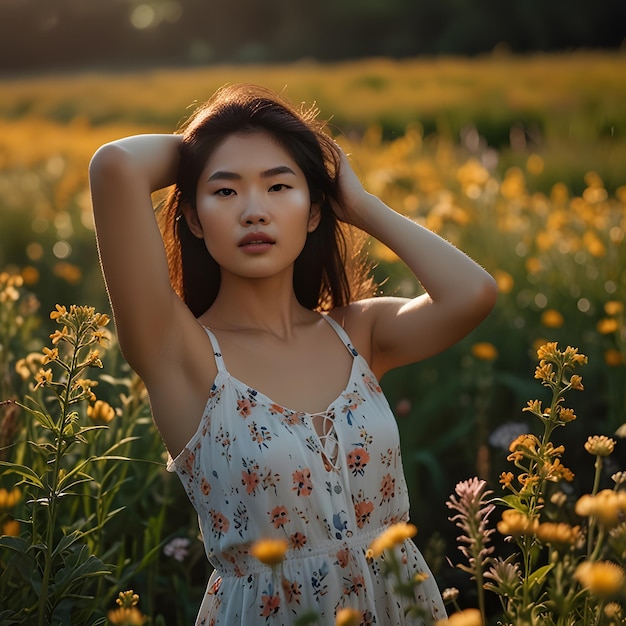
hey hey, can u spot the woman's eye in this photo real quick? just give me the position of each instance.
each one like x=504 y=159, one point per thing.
x=279 y=187
x=225 y=192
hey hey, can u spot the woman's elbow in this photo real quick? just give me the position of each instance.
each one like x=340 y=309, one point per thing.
x=485 y=296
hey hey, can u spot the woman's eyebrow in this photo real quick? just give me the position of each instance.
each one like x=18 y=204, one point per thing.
x=273 y=171
x=280 y=169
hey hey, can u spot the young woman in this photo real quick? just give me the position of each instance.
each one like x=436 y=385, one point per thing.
x=253 y=328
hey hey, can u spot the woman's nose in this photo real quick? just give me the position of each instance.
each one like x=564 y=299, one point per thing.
x=255 y=211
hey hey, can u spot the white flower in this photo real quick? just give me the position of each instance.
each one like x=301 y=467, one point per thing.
x=177 y=548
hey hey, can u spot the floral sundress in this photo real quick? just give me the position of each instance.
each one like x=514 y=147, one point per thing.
x=257 y=470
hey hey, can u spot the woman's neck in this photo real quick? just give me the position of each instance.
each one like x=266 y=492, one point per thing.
x=266 y=304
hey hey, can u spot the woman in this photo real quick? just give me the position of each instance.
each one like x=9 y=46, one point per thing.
x=261 y=354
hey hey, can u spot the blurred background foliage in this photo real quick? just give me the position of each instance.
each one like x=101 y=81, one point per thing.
x=42 y=34
x=517 y=159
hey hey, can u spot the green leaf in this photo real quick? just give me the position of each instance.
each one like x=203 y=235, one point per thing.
x=538 y=576
x=29 y=476
x=512 y=501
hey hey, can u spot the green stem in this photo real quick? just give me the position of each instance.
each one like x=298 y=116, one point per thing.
x=53 y=497
x=592 y=519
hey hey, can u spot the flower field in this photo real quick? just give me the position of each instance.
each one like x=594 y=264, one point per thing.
x=521 y=162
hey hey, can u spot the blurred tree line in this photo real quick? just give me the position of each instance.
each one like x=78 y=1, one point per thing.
x=67 y=34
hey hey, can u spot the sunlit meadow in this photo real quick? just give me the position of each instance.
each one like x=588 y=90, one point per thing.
x=518 y=161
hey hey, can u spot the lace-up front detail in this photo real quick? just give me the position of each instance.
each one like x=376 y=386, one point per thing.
x=324 y=425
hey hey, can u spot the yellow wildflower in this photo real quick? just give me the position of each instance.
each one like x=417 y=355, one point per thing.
x=557 y=471
x=126 y=616
x=50 y=355
x=545 y=372
x=348 y=617
x=11 y=528
x=600 y=445
x=59 y=311
x=547 y=351
x=485 y=351
x=101 y=412
x=269 y=551
x=576 y=382
x=566 y=415
x=393 y=536
x=534 y=406
x=571 y=357
x=101 y=337
x=127 y=599
x=27 y=366
x=30 y=275
x=585 y=505
x=43 y=377
x=506 y=478
x=59 y=335
x=613 y=357
x=467 y=617
x=101 y=319
x=21 y=367
x=551 y=318
x=613 y=307
x=613 y=610
x=8 y=499
x=522 y=446
x=602 y=578
x=533 y=265
x=607 y=506
x=504 y=281
x=516 y=523
x=607 y=325
x=558 y=533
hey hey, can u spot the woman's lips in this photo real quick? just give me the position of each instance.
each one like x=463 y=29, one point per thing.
x=256 y=242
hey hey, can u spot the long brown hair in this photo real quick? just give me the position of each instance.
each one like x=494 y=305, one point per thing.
x=330 y=271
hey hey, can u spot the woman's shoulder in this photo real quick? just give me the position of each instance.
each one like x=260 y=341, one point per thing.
x=357 y=322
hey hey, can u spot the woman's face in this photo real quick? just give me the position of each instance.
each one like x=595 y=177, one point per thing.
x=253 y=207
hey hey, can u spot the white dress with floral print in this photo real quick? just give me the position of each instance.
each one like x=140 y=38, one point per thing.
x=257 y=470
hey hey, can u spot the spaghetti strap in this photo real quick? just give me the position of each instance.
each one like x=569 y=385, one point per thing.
x=343 y=335
x=217 y=352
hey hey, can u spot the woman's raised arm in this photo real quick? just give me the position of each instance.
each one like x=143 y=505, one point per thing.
x=123 y=174
x=459 y=293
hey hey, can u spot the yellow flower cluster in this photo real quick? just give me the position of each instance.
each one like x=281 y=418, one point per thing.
x=602 y=578
x=127 y=613
x=131 y=616
x=11 y=528
x=516 y=524
x=8 y=499
x=607 y=506
x=600 y=445
x=394 y=535
x=485 y=351
x=558 y=534
x=101 y=412
x=9 y=286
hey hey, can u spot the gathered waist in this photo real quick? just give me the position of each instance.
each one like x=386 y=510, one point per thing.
x=238 y=562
